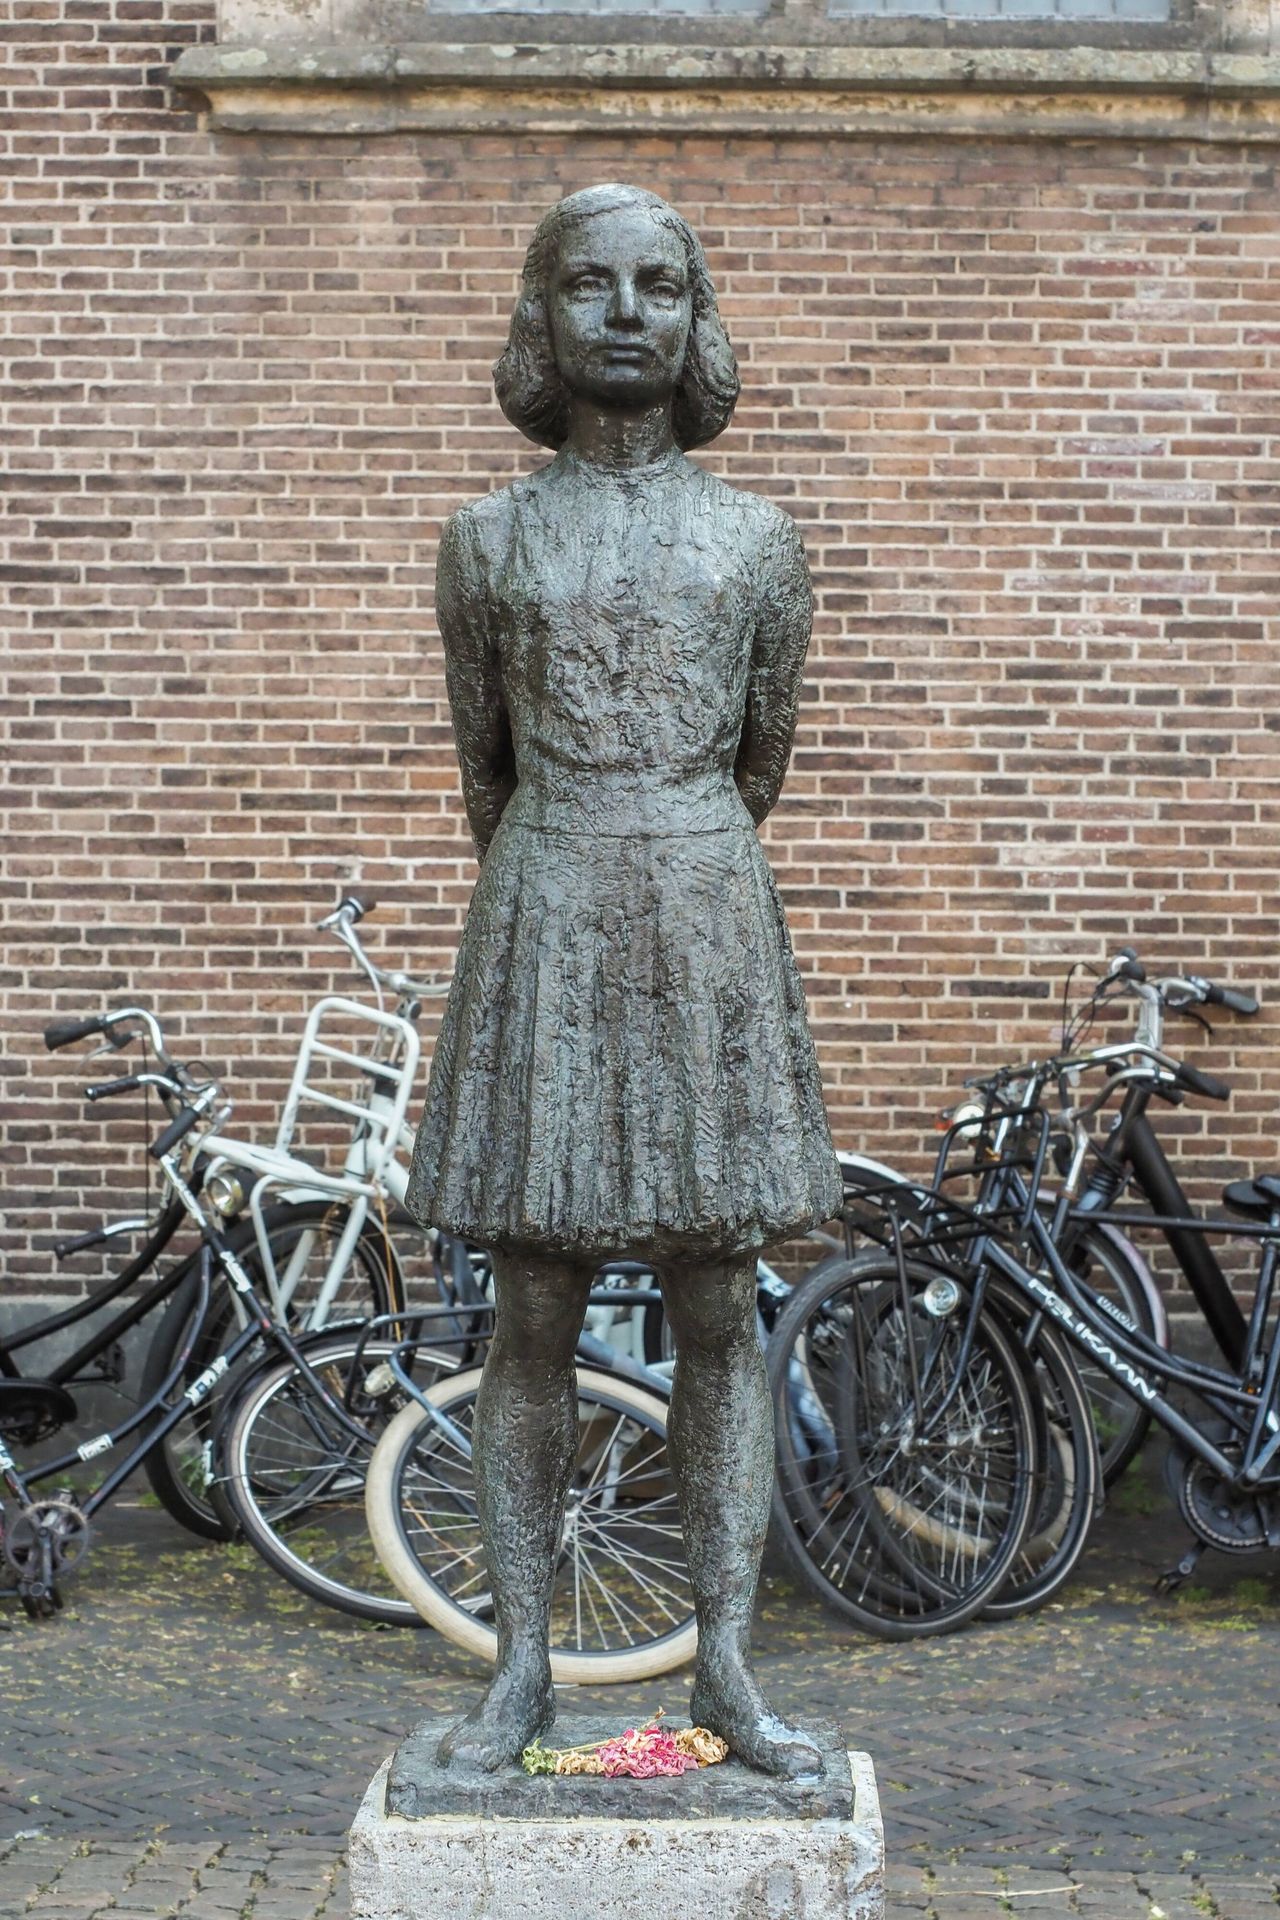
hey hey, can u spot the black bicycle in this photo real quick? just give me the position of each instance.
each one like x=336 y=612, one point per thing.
x=44 y=1538
x=999 y=1264
x=925 y=1461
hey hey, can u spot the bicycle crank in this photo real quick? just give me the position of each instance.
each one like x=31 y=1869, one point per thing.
x=44 y=1542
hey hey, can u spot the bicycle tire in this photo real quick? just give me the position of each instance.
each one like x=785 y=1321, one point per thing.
x=178 y=1469
x=1068 y=1470
x=294 y=1479
x=849 y=1496
x=413 y=1459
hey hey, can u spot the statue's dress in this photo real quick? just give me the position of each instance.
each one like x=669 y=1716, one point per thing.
x=624 y=1062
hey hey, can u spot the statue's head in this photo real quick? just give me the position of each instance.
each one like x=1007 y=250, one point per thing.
x=616 y=305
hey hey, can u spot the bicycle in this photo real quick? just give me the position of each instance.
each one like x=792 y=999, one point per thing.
x=912 y=1460
x=622 y=1606
x=413 y=1263
x=48 y=1539
x=1228 y=1461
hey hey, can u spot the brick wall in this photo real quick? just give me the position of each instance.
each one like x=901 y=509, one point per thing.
x=1021 y=397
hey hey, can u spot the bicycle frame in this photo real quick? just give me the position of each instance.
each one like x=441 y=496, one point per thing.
x=199 y=1390
x=1120 y=1349
x=171 y=1218
x=1134 y=1141
x=260 y=1324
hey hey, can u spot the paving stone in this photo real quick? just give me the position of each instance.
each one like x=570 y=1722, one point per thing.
x=204 y=1734
x=1176 y=1898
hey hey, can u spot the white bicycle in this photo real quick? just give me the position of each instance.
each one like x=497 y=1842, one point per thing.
x=622 y=1602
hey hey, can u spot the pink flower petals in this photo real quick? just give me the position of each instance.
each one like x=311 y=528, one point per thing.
x=644 y=1755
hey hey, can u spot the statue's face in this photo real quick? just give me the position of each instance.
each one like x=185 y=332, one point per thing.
x=619 y=305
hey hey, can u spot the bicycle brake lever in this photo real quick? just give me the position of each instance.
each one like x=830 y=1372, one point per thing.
x=111 y=1043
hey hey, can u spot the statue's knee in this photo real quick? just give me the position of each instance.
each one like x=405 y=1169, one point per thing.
x=712 y=1310
x=540 y=1309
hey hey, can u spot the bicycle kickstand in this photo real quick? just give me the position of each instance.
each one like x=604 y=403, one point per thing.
x=1172 y=1577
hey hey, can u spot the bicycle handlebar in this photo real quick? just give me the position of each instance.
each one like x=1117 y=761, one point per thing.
x=64 y=1033
x=106 y=1089
x=1231 y=997
x=1168 y=1078
x=1127 y=966
x=175 y=1131
x=114 y=1023
x=1206 y=1083
x=342 y=921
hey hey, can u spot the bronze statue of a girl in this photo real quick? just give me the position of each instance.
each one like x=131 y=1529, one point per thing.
x=624 y=1064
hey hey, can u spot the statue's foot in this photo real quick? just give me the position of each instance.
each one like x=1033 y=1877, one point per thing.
x=728 y=1699
x=519 y=1707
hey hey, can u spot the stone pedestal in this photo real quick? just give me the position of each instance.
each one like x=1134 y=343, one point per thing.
x=721 y=1844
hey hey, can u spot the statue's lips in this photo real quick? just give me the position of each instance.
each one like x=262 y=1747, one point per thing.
x=621 y=351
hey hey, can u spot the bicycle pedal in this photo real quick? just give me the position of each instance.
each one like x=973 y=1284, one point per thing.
x=1172 y=1577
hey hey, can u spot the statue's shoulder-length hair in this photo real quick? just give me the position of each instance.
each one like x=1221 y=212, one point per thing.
x=529 y=388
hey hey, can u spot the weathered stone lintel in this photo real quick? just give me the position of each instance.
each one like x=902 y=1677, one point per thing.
x=346 y=88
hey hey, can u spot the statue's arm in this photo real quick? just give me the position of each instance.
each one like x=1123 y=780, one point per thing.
x=777 y=666
x=473 y=675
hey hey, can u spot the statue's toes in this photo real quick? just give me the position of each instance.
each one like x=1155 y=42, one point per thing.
x=790 y=1755
x=475 y=1756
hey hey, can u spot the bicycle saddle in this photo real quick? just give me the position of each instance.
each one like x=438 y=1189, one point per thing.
x=1257 y=1199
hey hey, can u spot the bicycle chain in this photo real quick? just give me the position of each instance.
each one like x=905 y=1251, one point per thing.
x=1223 y=1516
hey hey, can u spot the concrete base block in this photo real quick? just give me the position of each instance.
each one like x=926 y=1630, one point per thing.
x=518 y=1851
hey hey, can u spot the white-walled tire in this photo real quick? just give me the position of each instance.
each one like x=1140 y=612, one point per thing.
x=622 y=1608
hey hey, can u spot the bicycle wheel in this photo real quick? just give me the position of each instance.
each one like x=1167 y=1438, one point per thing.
x=302 y=1236
x=622 y=1607
x=1068 y=1480
x=294 y=1476
x=1094 y=1253
x=905 y=1529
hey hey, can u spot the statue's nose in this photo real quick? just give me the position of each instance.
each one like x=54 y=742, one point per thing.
x=623 y=307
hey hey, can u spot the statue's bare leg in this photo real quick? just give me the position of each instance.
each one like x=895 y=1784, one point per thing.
x=525 y=1444
x=721 y=1442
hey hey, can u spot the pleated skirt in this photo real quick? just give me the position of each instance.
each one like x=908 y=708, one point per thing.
x=624 y=1064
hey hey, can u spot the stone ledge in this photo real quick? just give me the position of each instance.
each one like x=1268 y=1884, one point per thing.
x=418 y=1787
x=483 y=87
x=740 y=1847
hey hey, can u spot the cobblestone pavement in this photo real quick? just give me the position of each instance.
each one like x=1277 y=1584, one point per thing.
x=191 y=1737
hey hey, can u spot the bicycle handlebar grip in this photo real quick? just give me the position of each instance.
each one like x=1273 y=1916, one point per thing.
x=1130 y=967
x=175 y=1131
x=360 y=904
x=1229 y=997
x=103 y=1089
x=1196 y=1082
x=62 y=1032
x=1167 y=1090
